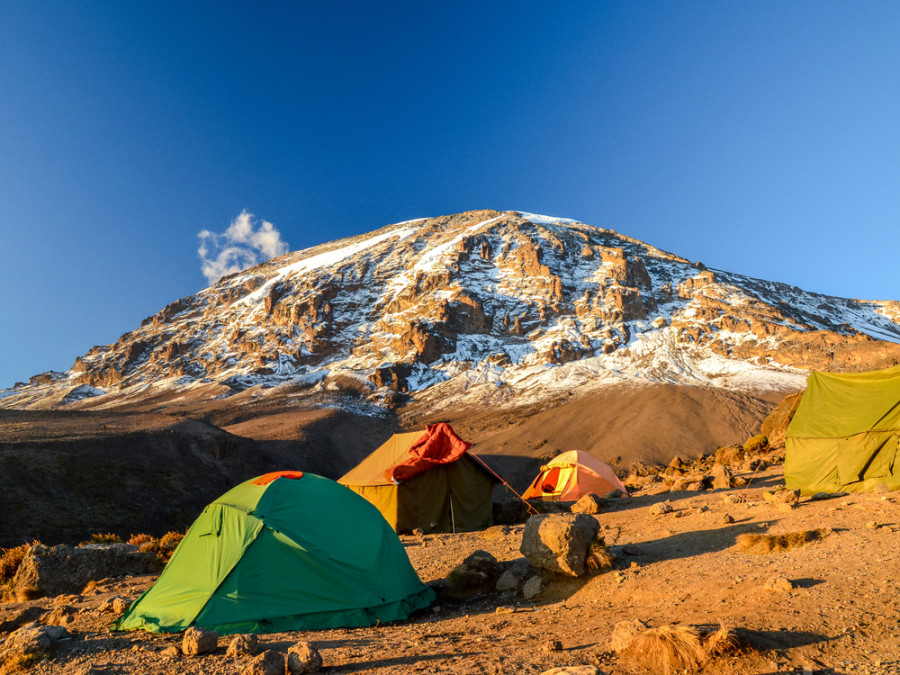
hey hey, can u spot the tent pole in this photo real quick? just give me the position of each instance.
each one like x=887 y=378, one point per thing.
x=452 y=519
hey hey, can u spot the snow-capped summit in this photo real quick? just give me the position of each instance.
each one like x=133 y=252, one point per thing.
x=478 y=307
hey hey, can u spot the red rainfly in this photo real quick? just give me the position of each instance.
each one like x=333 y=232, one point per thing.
x=438 y=445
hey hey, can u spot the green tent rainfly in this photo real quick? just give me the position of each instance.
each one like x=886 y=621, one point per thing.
x=844 y=435
x=285 y=551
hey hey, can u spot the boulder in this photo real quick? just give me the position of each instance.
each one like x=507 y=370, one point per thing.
x=589 y=503
x=29 y=644
x=559 y=542
x=197 y=641
x=56 y=570
x=477 y=573
x=303 y=658
x=19 y=618
x=721 y=476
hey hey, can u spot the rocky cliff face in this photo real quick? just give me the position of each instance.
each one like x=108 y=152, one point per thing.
x=478 y=307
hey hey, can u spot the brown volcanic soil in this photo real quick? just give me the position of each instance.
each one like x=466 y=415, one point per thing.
x=841 y=617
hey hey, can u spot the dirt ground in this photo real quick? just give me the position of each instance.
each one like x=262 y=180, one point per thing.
x=841 y=616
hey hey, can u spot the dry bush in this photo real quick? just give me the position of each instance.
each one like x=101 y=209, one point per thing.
x=11 y=558
x=140 y=539
x=598 y=559
x=667 y=648
x=163 y=547
x=756 y=444
x=774 y=543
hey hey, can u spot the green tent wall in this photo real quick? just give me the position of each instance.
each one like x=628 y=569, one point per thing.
x=286 y=551
x=844 y=435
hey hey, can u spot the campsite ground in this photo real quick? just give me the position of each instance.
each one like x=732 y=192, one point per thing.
x=841 y=616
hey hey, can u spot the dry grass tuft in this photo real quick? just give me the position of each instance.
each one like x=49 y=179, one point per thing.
x=598 y=559
x=667 y=647
x=775 y=543
x=720 y=642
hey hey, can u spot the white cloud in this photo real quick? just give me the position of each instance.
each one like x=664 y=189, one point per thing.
x=242 y=245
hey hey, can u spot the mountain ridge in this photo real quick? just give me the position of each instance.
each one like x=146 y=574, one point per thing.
x=492 y=306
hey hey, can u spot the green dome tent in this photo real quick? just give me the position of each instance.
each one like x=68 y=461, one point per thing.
x=285 y=551
x=844 y=435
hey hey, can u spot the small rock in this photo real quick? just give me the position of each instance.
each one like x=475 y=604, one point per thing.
x=574 y=670
x=198 y=641
x=418 y=532
x=614 y=494
x=779 y=585
x=510 y=580
x=533 y=588
x=784 y=507
x=267 y=663
x=882 y=488
x=624 y=632
x=303 y=658
x=702 y=509
x=676 y=462
x=871 y=525
x=243 y=645
x=727 y=519
x=733 y=499
x=59 y=616
x=661 y=508
x=552 y=646
x=171 y=652
x=115 y=604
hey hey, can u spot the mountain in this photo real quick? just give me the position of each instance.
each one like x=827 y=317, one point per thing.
x=531 y=335
x=479 y=308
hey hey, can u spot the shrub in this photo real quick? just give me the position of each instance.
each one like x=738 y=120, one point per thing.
x=163 y=547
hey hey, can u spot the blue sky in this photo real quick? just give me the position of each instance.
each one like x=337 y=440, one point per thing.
x=757 y=137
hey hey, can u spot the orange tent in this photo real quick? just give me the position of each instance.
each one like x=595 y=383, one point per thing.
x=571 y=475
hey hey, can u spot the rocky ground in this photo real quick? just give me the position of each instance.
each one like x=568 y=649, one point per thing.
x=829 y=606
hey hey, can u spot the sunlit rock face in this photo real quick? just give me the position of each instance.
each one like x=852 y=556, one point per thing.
x=481 y=307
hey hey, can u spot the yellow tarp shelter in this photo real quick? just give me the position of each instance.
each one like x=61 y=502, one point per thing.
x=441 y=496
x=844 y=435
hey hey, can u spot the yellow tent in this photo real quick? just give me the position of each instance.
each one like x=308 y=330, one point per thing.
x=571 y=475
x=425 y=480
